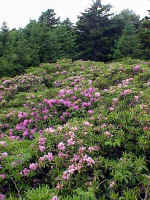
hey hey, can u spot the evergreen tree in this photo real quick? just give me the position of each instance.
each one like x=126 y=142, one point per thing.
x=49 y=18
x=127 y=16
x=94 y=37
x=128 y=44
x=144 y=37
x=4 y=37
x=68 y=24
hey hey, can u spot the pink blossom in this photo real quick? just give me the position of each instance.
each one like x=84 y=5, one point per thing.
x=61 y=92
x=61 y=146
x=125 y=92
x=42 y=148
x=148 y=83
x=26 y=172
x=136 y=98
x=93 y=148
x=33 y=166
x=59 y=186
x=32 y=131
x=65 y=175
x=25 y=122
x=4 y=154
x=107 y=133
x=20 y=115
x=54 y=198
x=75 y=88
x=82 y=149
x=111 y=108
x=76 y=107
x=75 y=158
x=87 y=159
x=42 y=141
x=112 y=184
x=86 y=123
x=119 y=85
x=136 y=68
x=70 y=142
x=62 y=155
x=41 y=159
x=74 y=128
x=25 y=133
x=25 y=114
x=105 y=90
x=50 y=130
x=3 y=143
x=97 y=94
x=90 y=111
x=90 y=82
x=72 y=169
x=45 y=117
x=90 y=161
x=2 y=196
x=50 y=156
x=2 y=176
x=145 y=128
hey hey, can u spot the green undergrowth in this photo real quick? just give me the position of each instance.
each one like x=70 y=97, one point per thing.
x=76 y=131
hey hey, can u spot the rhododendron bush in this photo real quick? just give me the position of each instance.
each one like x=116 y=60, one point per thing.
x=76 y=131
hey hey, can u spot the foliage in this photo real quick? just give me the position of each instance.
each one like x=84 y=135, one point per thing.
x=128 y=44
x=144 y=37
x=94 y=34
x=98 y=35
x=76 y=131
x=48 y=18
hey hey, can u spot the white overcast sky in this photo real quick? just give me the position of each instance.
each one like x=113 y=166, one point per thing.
x=17 y=13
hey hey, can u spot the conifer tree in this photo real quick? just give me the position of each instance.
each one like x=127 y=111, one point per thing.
x=93 y=33
x=49 y=18
x=144 y=37
x=128 y=44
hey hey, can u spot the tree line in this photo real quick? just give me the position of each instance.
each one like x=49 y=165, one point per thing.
x=98 y=35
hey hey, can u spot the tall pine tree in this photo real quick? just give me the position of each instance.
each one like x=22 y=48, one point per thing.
x=94 y=38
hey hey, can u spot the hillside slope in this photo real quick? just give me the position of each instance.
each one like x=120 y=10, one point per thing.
x=76 y=131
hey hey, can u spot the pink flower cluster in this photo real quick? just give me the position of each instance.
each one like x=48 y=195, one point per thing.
x=136 y=68
x=32 y=167
x=22 y=115
x=79 y=161
x=48 y=157
x=124 y=83
x=126 y=92
x=41 y=144
x=2 y=196
x=2 y=176
x=61 y=146
x=3 y=155
x=54 y=198
x=3 y=143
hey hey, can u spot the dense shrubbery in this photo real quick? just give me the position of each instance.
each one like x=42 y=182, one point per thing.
x=76 y=131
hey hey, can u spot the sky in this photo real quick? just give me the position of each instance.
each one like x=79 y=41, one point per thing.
x=18 y=13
